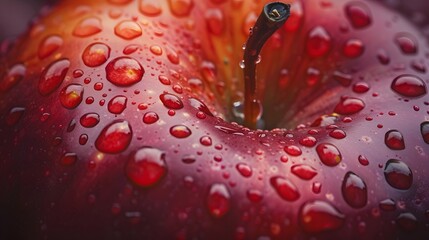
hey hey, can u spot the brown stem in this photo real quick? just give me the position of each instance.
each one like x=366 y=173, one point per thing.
x=273 y=16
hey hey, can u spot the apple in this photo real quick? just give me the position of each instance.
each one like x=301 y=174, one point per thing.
x=126 y=119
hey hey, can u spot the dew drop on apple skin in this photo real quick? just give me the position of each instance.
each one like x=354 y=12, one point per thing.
x=244 y=169
x=320 y=216
x=128 y=30
x=15 y=114
x=285 y=188
x=180 y=131
x=83 y=139
x=181 y=8
x=115 y=137
x=409 y=86
x=218 y=200
x=171 y=101
x=150 y=8
x=398 y=174
x=146 y=167
x=363 y=160
x=353 y=48
x=15 y=74
x=292 y=150
x=49 y=45
x=407 y=221
x=87 y=27
x=349 y=106
x=150 y=117
x=117 y=104
x=358 y=14
x=124 y=71
x=95 y=54
x=361 y=87
x=206 y=141
x=394 y=140
x=68 y=159
x=387 y=205
x=319 y=42
x=53 y=76
x=354 y=190
x=254 y=195
x=406 y=43
x=304 y=171
x=89 y=120
x=383 y=57
x=215 y=21
x=424 y=130
x=308 y=141
x=71 y=96
x=328 y=154
x=337 y=134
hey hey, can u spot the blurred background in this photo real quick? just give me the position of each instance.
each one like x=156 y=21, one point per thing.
x=16 y=14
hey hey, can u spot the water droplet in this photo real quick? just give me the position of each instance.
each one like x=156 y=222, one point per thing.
x=171 y=101
x=14 y=115
x=218 y=200
x=117 y=104
x=409 y=86
x=337 y=134
x=124 y=71
x=89 y=120
x=383 y=57
x=150 y=7
x=313 y=76
x=53 y=76
x=319 y=216
x=146 y=167
x=318 y=42
x=349 y=106
x=181 y=8
x=394 y=140
x=83 y=139
x=128 y=30
x=215 y=21
x=96 y=54
x=206 y=141
x=180 y=131
x=407 y=43
x=292 y=150
x=71 y=96
x=360 y=87
x=398 y=174
x=172 y=56
x=353 y=48
x=304 y=171
x=308 y=141
x=424 y=130
x=329 y=154
x=15 y=74
x=156 y=50
x=363 y=160
x=407 y=221
x=358 y=14
x=115 y=137
x=285 y=188
x=77 y=73
x=200 y=106
x=88 y=27
x=387 y=205
x=354 y=190
x=254 y=195
x=49 y=45
x=296 y=15
x=244 y=169
x=150 y=117
x=316 y=187
x=68 y=159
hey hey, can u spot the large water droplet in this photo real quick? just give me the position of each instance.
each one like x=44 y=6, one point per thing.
x=244 y=169
x=13 y=76
x=318 y=42
x=181 y=8
x=180 y=131
x=88 y=27
x=206 y=141
x=354 y=190
x=292 y=150
x=304 y=171
x=128 y=30
x=285 y=188
x=71 y=96
x=150 y=7
x=124 y=71
x=89 y=120
x=407 y=43
x=150 y=117
x=394 y=140
x=424 y=129
x=49 y=45
x=96 y=54
x=117 y=104
x=349 y=106
x=358 y=14
x=309 y=141
x=409 y=86
x=319 y=216
x=146 y=167
x=171 y=101
x=115 y=137
x=398 y=174
x=337 y=134
x=329 y=154
x=53 y=76
x=218 y=200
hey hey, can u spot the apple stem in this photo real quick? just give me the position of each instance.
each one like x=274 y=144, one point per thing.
x=273 y=16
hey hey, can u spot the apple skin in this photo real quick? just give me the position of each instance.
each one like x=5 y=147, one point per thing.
x=194 y=189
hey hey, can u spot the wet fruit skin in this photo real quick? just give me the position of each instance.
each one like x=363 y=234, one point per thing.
x=62 y=179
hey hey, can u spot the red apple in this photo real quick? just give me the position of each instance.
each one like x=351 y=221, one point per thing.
x=117 y=122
